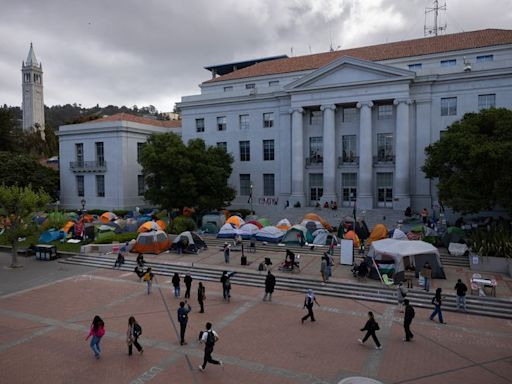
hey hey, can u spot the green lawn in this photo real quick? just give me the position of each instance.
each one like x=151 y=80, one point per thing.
x=33 y=239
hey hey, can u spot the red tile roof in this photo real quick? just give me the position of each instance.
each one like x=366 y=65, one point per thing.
x=400 y=49
x=140 y=120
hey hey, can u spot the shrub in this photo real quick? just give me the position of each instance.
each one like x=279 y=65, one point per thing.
x=182 y=224
x=496 y=242
x=109 y=237
x=120 y=212
x=98 y=212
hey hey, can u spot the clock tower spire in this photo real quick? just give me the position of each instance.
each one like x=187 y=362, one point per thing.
x=32 y=88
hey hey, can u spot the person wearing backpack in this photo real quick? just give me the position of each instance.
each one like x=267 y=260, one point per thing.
x=371 y=327
x=97 y=331
x=408 y=316
x=437 y=301
x=309 y=301
x=183 y=320
x=148 y=278
x=132 y=335
x=176 y=284
x=461 y=289
x=209 y=338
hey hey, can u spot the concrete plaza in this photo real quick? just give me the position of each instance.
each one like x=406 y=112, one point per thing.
x=44 y=326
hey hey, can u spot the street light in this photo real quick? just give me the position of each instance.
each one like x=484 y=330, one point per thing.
x=250 y=196
x=83 y=204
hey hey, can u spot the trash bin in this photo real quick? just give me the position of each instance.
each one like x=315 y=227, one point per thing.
x=46 y=252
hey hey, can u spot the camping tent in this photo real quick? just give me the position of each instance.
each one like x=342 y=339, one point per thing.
x=149 y=226
x=297 y=234
x=314 y=217
x=351 y=235
x=284 y=224
x=151 y=242
x=227 y=231
x=453 y=235
x=270 y=234
x=191 y=242
x=216 y=218
x=209 y=227
x=323 y=237
x=264 y=222
x=247 y=231
x=51 y=235
x=311 y=225
x=379 y=232
x=256 y=223
x=399 y=235
x=417 y=251
x=107 y=217
x=237 y=221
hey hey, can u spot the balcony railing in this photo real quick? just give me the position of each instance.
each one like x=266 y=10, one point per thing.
x=88 y=166
x=384 y=159
x=315 y=161
x=348 y=161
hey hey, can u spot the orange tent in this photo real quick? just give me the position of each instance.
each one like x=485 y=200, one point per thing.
x=379 y=232
x=149 y=226
x=107 y=217
x=68 y=226
x=162 y=224
x=315 y=217
x=152 y=242
x=351 y=235
x=237 y=221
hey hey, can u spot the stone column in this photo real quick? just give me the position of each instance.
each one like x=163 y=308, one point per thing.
x=297 y=157
x=364 y=185
x=329 y=169
x=401 y=191
x=422 y=193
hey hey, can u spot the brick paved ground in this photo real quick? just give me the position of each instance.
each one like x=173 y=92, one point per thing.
x=42 y=333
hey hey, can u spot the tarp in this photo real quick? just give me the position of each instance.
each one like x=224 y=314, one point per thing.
x=284 y=224
x=227 y=231
x=418 y=252
x=152 y=242
x=191 y=242
x=247 y=231
x=270 y=234
x=297 y=234
x=379 y=232
x=315 y=217
x=51 y=235
x=237 y=221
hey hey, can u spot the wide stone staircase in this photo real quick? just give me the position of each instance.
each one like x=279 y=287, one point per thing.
x=486 y=306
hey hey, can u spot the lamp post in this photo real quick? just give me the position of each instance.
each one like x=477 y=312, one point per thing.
x=83 y=204
x=250 y=196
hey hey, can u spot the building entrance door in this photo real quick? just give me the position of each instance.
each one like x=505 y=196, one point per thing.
x=385 y=190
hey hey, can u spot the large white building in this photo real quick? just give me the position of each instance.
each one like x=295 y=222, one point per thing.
x=32 y=93
x=347 y=125
x=99 y=161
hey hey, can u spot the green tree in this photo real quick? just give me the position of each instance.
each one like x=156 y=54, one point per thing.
x=18 y=204
x=7 y=130
x=23 y=170
x=473 y=161
x=180 y=176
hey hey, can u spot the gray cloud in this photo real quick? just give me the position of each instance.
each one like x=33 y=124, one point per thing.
x=153 y=51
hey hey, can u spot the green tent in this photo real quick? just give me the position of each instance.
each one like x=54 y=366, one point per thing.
x=264 y=221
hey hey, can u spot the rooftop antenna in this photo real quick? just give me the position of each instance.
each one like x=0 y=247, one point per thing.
x=291 y=51
x=436 y=29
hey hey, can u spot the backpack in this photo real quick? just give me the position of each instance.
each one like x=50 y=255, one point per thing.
x=210 y=339
x=137 y=330
x=148 y=276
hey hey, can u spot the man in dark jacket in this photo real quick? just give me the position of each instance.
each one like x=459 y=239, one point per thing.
x=461 y=289
x=188 y=284
x=183 y=319
x=270 y=283
x=408 y=316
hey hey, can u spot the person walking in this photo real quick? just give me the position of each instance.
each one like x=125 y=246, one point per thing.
x=408 y=316
x=270 y=283
x=226 y=252
x=209 y=338
x=437 y=301
x=132 y=335
x=371 y=327
x=140 y=260
x=148 y=278
x=426 y=272
x=461 y=289
x=201 y=296
x=323 y=267
x=309 y=301
x=188 y=284
x=176 y=284
x=226 y=285
x=97 y=331
x=119 y=261
x=424 y=215
x=183 y=320
x=401 y=292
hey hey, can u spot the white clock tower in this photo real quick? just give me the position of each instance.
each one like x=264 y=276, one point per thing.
x=32 y=103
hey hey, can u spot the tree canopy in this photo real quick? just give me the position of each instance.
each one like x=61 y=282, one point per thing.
x=18 y=204
x=179 y=175
x=473 y=162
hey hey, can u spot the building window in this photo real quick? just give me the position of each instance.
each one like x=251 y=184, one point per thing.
x=273 y=83
x=484 y=58
x=80 y=186
x=141 y=186
x=200 y=125
x=27 y=77
x=385 y=112
x=79 y=153
x=229 y=88
x=268 y=120
x=100 y=185
x=349 y=114
x=315 y=118
x=449 y=106
x=244 y=121
x=245 y=184
x=448 y=63
x=222 y=145
x=316 y=186
x=221 y=123
x=487 y=101
x=245 y=151
x=100 y=153
x=250 y=86
x=268 y=149
x=140 y=147
x=268 y=184
x=349 y=188
x=415 y=67
x=349 y=147
x=316 y=150
x=385 y=147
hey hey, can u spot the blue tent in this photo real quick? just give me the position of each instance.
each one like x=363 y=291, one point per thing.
x=51 y=235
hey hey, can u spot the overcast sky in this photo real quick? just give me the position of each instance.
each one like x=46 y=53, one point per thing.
x=127 y=52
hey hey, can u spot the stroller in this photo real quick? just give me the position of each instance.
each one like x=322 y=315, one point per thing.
x=291 y=262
